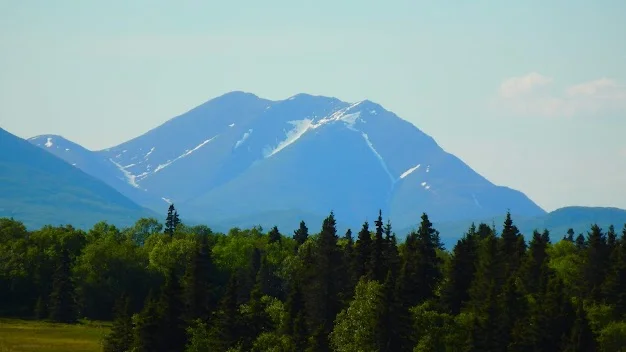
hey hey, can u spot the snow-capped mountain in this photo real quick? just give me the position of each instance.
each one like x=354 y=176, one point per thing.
x=239 y=155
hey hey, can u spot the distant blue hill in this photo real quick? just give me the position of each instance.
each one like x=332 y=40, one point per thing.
x=38 y=188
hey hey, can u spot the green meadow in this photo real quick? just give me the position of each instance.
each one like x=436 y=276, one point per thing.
x=26 y=336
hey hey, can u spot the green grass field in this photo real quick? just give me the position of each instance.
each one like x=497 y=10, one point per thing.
x=27 y=336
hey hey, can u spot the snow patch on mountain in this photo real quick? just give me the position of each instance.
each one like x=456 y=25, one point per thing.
x=340 y=115
x=130 y=178
x=187 y=152
x=148 y=153
x=243 y=138
x=476 y=201
x=167 y=200
x=410 y=171
x=350 y=119
x=380 y=158
x=49 y=142
x=232 y=125
x=300 y=127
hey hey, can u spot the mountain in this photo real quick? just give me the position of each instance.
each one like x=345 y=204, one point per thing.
x=39 y=188
x=101 y=168
x=242 y=157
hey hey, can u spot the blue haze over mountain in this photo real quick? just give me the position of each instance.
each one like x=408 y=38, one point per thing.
x=40 y=189
x=239 y=157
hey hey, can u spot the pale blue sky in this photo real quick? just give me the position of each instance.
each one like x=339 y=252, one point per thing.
x=102 y=72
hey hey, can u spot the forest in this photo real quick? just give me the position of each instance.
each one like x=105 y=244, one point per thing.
x=173 y=287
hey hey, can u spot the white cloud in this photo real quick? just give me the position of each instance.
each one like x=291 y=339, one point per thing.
x=521 y=95
x=516 y=86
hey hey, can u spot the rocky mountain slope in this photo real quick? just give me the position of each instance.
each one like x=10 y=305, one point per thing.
x=239 y=156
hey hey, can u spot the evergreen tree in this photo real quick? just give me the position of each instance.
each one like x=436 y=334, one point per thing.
x=196 y=285
x=301 y=234
x=429 y=264
x=256 y=320
x=581 y=242
x=147 y=328
x=349 y=268
x=62 y=301
x=487 y=274
x=325 y=285
x=227 y=328
x=534 y=264
x=363 y=249
x=614 y=286
x=377 y=267
x=570 y=235
x=455 y=291
x=419 y=275
x=581 y=338
x=390 y=253
x=274 y=235
x=120 y=338
x=171 y=324
x=172 y=220
x=596 y=260
x=512 y=247
x=269 y=282
x=295 y=325
x=389 y=333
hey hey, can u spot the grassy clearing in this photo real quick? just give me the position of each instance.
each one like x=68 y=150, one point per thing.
x=26 y=336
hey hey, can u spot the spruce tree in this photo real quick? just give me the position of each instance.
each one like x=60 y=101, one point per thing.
x=62 y=301
x=274 y=235
x=267 y=279
x=377 y=266
x=455 y=291
x=295 y=325
x=487 y=273
x=171 y=311
x=512 y=247
x=349 y=268
x=533 y=266
x=570 y=235
x=196 y=285
x=614 y=285
x=581 y=337
x=390 y=253
x=301 y=234
x=429 y=264
x=171 y=221
x=324 y=283
x=147 y=330
x=363 y=251
x=581 y=242
x=227 y=323
x=121 y=336
x=596 y=260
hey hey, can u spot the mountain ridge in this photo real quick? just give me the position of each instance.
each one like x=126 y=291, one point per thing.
x=238 y=154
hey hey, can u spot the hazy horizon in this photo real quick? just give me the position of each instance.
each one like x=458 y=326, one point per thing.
x=531 y=96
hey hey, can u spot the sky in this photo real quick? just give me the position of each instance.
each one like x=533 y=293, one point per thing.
x=531 y=94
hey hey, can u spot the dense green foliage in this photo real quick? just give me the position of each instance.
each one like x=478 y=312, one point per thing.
x=182 y=288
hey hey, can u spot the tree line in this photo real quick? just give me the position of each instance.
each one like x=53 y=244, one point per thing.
x=172 y=287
